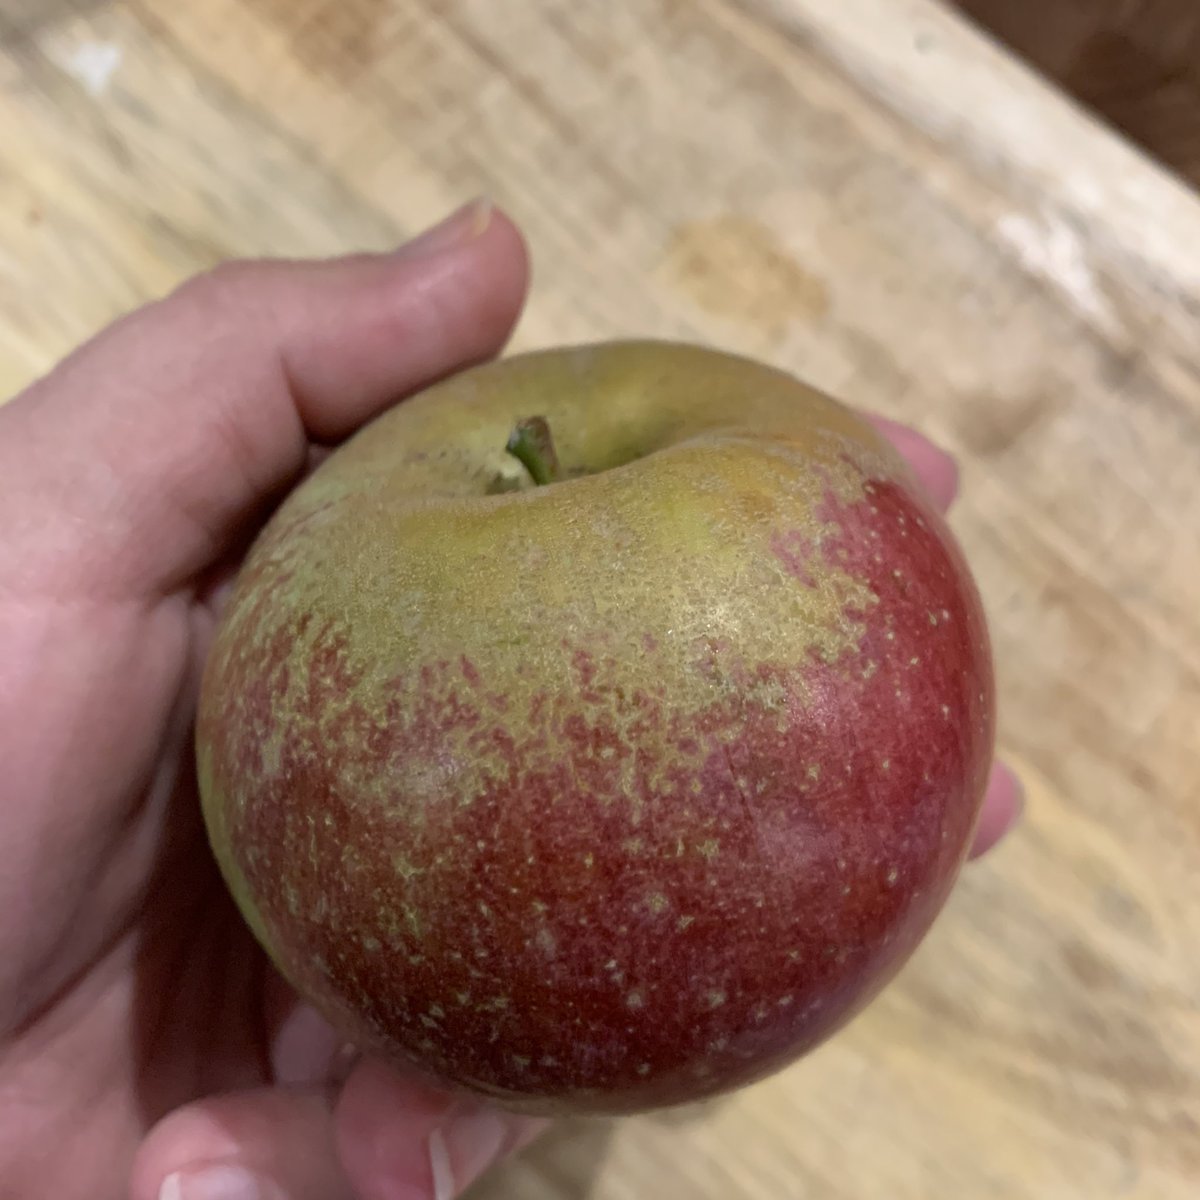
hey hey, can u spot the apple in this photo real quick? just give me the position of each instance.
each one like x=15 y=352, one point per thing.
x=600 y=729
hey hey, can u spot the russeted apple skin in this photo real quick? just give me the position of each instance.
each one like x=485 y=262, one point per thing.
x=613 y=793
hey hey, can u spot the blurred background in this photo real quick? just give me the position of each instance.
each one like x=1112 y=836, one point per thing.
x=1135 y=62
x=983 y=222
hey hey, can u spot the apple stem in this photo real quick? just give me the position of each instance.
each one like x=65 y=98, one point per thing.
x=531 y=443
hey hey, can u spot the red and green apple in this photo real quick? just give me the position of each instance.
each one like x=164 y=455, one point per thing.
x=600 y=729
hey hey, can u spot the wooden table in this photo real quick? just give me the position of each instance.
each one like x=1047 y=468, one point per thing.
x=1135 y=61
x=870 y=194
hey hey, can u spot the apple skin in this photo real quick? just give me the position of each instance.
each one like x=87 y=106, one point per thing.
x=614 y=793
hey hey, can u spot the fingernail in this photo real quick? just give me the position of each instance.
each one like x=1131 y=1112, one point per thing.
x=1017 y=785
x=347 y=1058
x=462 y=1148
x=937 y=467
x=221 y=1181
x=908 y=437
x=463 y=225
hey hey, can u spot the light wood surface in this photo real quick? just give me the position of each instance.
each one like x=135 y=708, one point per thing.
x=872 y=195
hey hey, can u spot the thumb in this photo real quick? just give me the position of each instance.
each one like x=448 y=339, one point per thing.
x=143 y=458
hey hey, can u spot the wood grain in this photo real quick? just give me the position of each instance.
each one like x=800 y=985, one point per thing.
x=1137 y=62
x=872 y=195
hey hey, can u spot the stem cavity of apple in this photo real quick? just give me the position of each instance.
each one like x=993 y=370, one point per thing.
x=530 y=442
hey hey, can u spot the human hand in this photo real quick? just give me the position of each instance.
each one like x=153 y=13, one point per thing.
x=147 y=1049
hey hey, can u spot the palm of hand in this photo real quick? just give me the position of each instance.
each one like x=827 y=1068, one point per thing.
x=134 y=987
